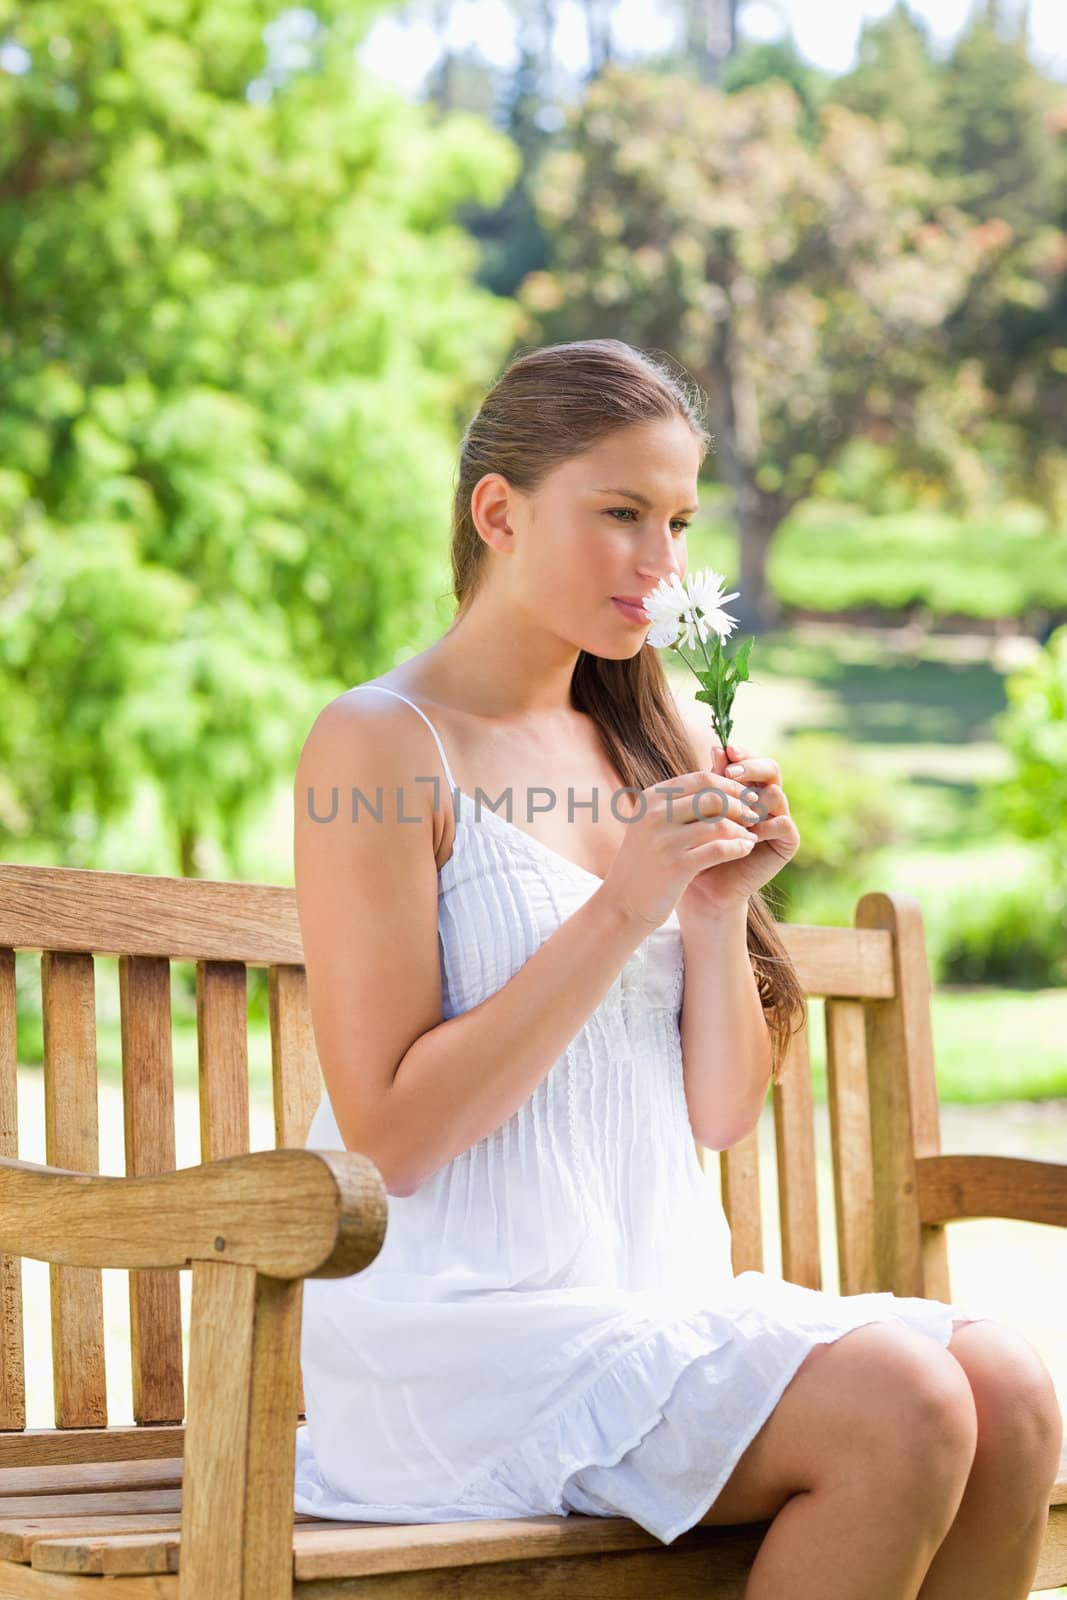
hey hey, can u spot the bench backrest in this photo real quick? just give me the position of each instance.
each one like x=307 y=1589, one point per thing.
x=880 y=1083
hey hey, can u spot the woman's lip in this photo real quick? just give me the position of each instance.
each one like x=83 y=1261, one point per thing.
x=632 y=612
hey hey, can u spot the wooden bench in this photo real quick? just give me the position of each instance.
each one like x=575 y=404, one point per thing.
x=84 y=1499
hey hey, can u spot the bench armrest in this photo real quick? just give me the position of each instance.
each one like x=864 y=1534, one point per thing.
x=955 y=1186
x=288 y=1213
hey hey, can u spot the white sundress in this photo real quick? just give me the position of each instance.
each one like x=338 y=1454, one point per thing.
x=553 y=1323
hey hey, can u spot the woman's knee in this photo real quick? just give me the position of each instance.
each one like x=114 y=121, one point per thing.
x=1020 y=1424
x=882 y=1407
x=904 y=1411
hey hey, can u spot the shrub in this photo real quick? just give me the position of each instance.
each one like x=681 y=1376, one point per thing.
x=842 y=815
x=1032 y=802
x=1015 y=936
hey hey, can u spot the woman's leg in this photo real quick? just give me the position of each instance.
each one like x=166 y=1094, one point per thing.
x=993 y=1547
x=862 y=1466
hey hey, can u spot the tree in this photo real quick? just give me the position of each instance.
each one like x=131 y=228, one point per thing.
x=239 y=336
x=806 y=287
x=992 y=129
x=710 y=36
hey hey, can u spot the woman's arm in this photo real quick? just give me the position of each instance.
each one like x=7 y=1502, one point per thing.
x=726 y=1044
x=468 y=1075
x=409 y=1090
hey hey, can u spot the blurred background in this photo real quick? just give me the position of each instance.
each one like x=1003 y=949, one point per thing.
x=258 y=265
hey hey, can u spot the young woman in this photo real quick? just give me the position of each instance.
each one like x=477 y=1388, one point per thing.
x=536 y=978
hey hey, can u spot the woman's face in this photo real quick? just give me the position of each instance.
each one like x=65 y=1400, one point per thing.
x=580 y=539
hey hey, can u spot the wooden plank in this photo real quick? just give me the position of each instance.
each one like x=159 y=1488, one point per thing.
x=351 y=1549
x=45 y=1448
x=26 y=1583
x=290 y=1213
x=162 y=1473
x=220 y=1382
x=956 y=1186
x=237 y=1512
x=297 y=1076
x=125 y=1554
x=835 y=961
x=142 y=914
x=850 y=1144
x=68 y=1005
x=17 y=1534
x=271 y=1444
x=236 y=1522
x=80 y=1501
x=148 y=1113
x=12 y=1370
x=373 y=1551
x=739 y=1188
x=222 y=1044
x=794 y=1138
x=200 y=919
x=704 y=1563
x=911 y=1257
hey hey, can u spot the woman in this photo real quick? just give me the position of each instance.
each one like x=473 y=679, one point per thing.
x=503 y=1022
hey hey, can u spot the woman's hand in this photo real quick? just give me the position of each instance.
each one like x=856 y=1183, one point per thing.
x=729 y=883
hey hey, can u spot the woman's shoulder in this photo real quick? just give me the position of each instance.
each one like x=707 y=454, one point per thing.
x=355 y=732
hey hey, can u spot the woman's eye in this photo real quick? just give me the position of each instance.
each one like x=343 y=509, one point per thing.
x=680 y=522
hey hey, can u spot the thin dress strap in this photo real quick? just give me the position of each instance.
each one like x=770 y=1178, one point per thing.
x=425 y=718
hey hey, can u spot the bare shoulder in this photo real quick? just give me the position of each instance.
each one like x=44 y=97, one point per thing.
x=355 y=724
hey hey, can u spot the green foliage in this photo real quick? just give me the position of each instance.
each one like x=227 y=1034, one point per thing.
x=843 y=817
x=720 y=679
x=239 y=334
x=1033 y=729
x=989 y=126
x=898 y=80
x=810 y=287
x=1014 y=936
x=829 y=558
x=757 y=61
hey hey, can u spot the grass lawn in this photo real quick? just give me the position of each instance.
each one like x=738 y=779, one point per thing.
x=829 y=556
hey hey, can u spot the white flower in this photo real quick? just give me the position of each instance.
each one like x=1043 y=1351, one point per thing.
x=693 y=609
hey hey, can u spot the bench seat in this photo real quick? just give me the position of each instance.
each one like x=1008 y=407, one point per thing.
x=62 y=1528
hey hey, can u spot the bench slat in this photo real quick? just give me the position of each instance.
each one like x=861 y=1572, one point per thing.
x=256 y=924
x=295 y=1073
x=850 y=1144
x=103 y=1554
x=911 y=1257
x=297 y=1079
x=147 y=914
x=794 y=1139
x=68 y=1007
x=222 y=1045
x=159 y=1473
x=12 y=1369
x=19 y=1534
x=48 y=1449
x=740 y=1191
x=148 y=1112
x=80 y=1502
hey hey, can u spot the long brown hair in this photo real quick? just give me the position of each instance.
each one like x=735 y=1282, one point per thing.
x=549 y=405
